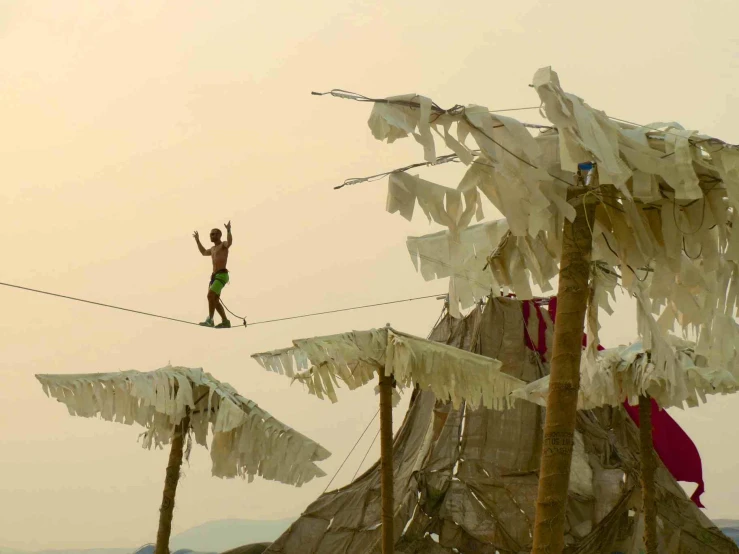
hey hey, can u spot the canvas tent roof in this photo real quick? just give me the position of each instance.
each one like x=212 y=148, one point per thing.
x=466 y=480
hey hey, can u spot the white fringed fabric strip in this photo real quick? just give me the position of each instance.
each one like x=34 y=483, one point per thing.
x=463 y=256
x=680 y=377
x=356 y=357
x=246 y=440
x=668 y=200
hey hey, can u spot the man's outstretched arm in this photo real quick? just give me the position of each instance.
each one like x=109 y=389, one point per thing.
x=202 y=249
x=229 y=237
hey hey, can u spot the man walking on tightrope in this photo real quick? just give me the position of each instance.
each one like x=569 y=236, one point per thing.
x=219 y=254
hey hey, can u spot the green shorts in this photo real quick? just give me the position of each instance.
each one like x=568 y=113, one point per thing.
x=217 y=282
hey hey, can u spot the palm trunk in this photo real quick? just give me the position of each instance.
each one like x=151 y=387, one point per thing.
x=648 y=466
x=386 y=461
x=170 y=487
x=564 y=380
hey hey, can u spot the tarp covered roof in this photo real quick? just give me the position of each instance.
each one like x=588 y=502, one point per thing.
x=466 y=480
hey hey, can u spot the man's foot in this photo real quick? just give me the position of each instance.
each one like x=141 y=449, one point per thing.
x=225 y=324
x=207 y=323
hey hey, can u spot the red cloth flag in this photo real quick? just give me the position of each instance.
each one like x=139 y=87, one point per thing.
x=672 y=444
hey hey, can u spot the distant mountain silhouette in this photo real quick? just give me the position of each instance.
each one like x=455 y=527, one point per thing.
x=70 y=551
x=258 y=548
x=149 y=549
x=226 y=534
x=243 y=536
x=213 y=537
x=730 y=528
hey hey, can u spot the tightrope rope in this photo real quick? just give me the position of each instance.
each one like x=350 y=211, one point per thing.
x=348 y=309
x=229 y=311
x=96 y=303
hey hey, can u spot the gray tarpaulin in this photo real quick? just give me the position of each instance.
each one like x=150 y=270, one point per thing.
x=466 y=480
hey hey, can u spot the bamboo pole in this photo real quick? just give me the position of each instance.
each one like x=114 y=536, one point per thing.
x=564 y=380
x=386 y=460
x=648 y=467
x=170 y=487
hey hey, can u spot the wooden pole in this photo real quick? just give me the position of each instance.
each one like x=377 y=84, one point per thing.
x=386 y=461
x=564 y=379
x=648 y=467
x=170 y=487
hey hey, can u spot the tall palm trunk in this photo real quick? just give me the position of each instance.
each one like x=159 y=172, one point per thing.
x=648 y=466
x=386 y=461
x=564 y=380
x=170 y=487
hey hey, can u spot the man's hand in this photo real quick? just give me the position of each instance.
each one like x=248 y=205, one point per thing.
x=202 y=249
x=229 y=238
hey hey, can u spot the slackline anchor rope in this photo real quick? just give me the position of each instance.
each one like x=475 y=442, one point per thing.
x=229 y=311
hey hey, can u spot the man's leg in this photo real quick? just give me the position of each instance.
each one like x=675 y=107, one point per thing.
x=216 y=288
x=219 y=309
x=212 y=303
x=212 y=298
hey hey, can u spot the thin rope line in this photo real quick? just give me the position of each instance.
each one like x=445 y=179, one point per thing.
x=97 y=303
x=516 y=109
x=347 y=309
x=352 y=450
x=458 y=109
x=447 y=158
x=667 y=132
x=193 y=323
x=339 y=93
x=438 y=161
x=491 y=139
x=243 y=319
x=365 y=455
x=370 y=423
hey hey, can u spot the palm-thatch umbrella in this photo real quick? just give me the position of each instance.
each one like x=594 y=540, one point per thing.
x=670 y=372
x=175 y=403
x=400 y=360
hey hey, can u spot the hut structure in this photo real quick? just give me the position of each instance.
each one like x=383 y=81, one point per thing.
x=466 y=479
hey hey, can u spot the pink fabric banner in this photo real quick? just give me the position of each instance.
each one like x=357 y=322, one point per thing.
x=672 y=444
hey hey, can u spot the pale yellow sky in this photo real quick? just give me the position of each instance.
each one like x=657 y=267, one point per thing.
x=127 y=125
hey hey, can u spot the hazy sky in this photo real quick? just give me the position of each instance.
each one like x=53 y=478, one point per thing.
x=127 y=125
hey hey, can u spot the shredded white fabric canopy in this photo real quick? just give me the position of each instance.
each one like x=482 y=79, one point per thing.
x=465 y=258
x=356 y=357
x=627 y=372
x=246 y=440
x=516 y=262
x=666 y=219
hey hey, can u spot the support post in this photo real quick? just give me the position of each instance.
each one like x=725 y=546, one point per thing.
x=386 y=461
x=648 y=467
x=170 y=486
x=564 y=380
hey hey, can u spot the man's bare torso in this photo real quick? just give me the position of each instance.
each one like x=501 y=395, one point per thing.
x=219 y=255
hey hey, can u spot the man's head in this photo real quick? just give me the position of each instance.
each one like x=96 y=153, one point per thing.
x=215 y=235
